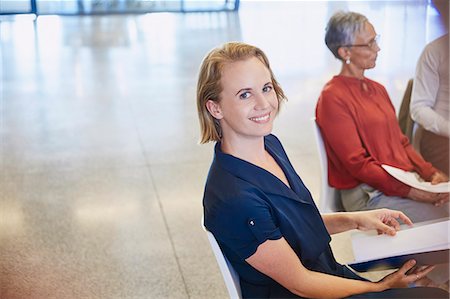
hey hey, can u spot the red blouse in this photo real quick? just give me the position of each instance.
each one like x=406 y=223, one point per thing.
x=360 y=132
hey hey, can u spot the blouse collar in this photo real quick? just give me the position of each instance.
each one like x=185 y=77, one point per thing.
x=263 y=179
x=364 y=84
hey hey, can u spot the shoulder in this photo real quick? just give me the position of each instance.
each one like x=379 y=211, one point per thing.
x=333 y=90
x=226 y=191
x=436 y=50
x=336 y=83
x=439 y=44
x=334 y=97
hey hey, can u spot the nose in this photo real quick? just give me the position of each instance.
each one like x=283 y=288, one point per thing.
x=261 y=101
x=377 y=48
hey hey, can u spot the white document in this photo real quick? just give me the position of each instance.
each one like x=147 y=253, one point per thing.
x=414 y=180
x=422 y=237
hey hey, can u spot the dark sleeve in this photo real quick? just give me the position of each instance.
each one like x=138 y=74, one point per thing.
x=244 y=222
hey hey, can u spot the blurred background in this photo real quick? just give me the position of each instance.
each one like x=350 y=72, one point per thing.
x=101 y=173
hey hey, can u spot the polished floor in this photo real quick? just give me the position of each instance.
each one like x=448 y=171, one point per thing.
x=101 y=171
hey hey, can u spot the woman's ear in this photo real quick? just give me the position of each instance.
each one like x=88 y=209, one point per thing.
x=344 y=53
x=214 y=109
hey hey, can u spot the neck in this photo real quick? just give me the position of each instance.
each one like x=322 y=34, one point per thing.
x=349 y=70
x=251 y=150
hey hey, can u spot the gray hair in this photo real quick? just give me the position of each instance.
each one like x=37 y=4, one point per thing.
x=341 y=29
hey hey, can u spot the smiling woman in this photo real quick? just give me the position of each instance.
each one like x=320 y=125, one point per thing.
x=210 y=92
x=257 y=207
x=244 y=113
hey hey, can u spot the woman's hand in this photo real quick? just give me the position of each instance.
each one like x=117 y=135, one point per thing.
x=405 y=277
x=438 y=177
x=383 y=220
x=437 y=199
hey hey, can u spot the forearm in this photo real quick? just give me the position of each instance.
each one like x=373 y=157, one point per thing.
x=430 y=120
x=339 y=222
x=424 y=168
x=320 y=285
x=276 y=259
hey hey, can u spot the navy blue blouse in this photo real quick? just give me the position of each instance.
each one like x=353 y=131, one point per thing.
x=245 y=205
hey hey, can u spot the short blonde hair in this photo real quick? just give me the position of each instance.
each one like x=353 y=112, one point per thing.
x=209 y=87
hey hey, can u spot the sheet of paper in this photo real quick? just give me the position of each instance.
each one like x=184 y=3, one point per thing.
x=419 y=238
x=413 y=179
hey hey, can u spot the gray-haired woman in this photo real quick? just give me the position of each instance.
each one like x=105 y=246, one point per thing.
x=361 y=132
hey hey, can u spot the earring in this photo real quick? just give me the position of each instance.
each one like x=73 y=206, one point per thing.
x=347 y=61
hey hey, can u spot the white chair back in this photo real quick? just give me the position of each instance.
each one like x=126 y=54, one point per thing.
x=329 y=197
x=230 y=276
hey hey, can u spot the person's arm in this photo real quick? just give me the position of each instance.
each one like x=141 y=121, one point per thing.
x=424 y=92
x=422 y=167
x=383 y=220
x=276 y=259
x=437 y=199
x=340 y=132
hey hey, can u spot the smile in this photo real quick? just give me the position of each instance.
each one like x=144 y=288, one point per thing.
x=261 y=119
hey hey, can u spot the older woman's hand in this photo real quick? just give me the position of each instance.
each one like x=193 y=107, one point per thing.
x=437 y=199
x=438 y=177
x=383 y=220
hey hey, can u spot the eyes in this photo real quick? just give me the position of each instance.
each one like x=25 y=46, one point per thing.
x=245 y=94
x=267 y=88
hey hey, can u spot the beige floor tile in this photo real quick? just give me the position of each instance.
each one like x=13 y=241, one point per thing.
x=85 y=234
x=183 y=210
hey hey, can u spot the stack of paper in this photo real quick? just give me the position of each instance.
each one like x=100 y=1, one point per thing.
x=426 y=242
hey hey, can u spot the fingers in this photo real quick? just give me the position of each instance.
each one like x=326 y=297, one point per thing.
x=420 y=268
x=406 y=267
x=438 y=177
x=404 y=218
x=441 y=203
x=393 y=215
x=419 y=276
x=394 y=224
x=442 y=198
x=424 y=271
x=415 y=274
x=413 y=277
x=386 y=229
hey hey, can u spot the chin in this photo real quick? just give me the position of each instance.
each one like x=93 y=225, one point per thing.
x=264 y=131
x=371 y=66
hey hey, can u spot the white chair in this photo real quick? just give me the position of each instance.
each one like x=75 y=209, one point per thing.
x=230 y=276
x=329 y=197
